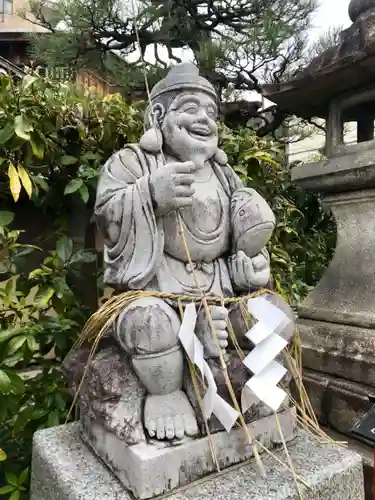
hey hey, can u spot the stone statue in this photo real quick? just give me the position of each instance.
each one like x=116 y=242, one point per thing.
x=176 y=172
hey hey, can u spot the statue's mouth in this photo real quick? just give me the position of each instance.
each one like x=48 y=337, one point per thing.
x=200 y=132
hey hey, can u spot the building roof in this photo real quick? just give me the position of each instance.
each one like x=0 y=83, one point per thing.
x=8 y=67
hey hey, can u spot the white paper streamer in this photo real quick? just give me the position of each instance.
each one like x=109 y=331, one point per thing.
x=212 y=402
x=261 y=361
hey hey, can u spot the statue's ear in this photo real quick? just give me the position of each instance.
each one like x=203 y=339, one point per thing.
x=220 y=157
x=152 y=139
x=154 y=114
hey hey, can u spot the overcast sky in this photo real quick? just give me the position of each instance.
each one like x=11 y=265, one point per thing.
x=331 y=13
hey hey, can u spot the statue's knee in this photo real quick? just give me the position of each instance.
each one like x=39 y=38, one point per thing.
x=147 y=325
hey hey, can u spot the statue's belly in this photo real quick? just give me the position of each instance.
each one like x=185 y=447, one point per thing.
x=206 y=225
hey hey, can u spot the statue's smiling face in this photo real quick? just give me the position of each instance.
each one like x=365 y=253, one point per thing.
x=189 y=127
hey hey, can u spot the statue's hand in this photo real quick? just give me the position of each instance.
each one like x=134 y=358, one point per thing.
x=171 y=186
x=246 y=272
x=203 y=330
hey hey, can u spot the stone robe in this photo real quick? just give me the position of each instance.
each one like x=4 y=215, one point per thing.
x=134 y=254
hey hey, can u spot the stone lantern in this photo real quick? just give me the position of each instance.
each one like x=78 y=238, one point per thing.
x=337 y=320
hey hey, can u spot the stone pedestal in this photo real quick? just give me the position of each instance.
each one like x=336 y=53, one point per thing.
x=157 y=467
x=337 y=320
x=65 y=469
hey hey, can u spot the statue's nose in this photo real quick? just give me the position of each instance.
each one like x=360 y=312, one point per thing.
x=202 y=116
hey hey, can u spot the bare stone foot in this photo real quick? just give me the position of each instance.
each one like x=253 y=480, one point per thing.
x=169 y=416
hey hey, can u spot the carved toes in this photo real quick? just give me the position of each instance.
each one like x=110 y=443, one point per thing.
x=170 y=416
x=190 y=424
x=179 y=427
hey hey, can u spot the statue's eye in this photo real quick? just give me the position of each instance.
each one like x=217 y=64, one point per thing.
x=190 y=108
x=211 y=113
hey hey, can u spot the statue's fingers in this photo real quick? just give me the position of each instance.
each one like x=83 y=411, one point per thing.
x=248 y=269
x=184 y=168
x=184 y=191
x=260 y=262
x=183 y=201
x=261 y=278
x=236 y=263
x=230 y=268
x=223 y=344
x=220 y=327
x=230 y=263
x=183 y=179
x=219 y=313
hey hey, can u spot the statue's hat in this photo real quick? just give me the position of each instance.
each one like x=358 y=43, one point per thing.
x=183 y=76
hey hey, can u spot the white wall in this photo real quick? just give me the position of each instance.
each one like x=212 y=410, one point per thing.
x=306 y=149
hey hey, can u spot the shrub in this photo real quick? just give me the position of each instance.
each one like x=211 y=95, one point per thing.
x=52 y=141
x=54 y=138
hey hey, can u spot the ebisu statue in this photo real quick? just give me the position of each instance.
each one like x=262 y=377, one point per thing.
x=171 y=192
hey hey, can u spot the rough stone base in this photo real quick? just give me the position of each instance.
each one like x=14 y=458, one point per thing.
x=155 y=468
x=65 y=469
x=338 y=403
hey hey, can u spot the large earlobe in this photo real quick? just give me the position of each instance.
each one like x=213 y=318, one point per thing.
x=220 y=157
x=152 y=141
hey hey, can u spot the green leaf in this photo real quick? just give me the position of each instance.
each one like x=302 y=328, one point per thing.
x=43 y=295
x=53 y=419
x=3 y=456
x=37 y=146
x=22 y=419
x=5 y=382
x=68 y=160
x=61 y=287
x=73 y=186
x=37 y=272
x=11 y=478
x=22 y=127
x=23 y=476
x=23 y=285
x=7 y=489
x=6 y=218
x=90 y=155
x=15 y=344
x=15 y=495
x=9 y=287
x=240 y=169
x=40 y=182
x=11 y=361
x=18 y=385
x=64 y=248
x=31 y=343
x=7 y=334
x=38 y=413
x=6 y=133
x=84 y=192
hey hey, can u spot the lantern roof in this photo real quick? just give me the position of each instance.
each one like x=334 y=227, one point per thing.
x=343 y=68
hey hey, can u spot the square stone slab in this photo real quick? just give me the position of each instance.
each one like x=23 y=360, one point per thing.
x=149 y=469
x=64 y=468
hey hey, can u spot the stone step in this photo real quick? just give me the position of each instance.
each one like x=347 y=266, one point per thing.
x=367 y=454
